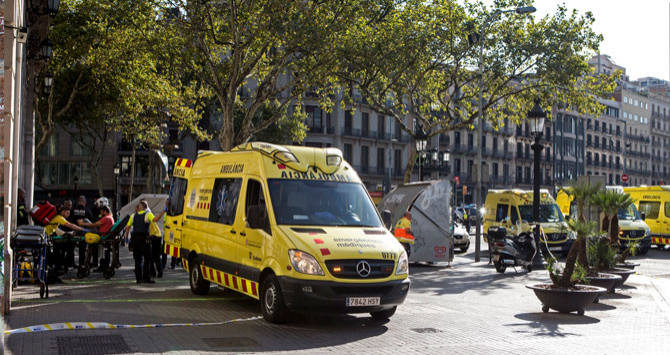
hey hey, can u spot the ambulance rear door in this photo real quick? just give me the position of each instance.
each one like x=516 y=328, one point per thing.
x=175 y=211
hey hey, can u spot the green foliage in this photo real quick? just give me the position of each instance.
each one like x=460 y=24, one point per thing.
x=112 y=72
x=287 y=129
x=418 y=61
x=582 y=194
x=601 y=255
x=259 y=51
x=581 y=229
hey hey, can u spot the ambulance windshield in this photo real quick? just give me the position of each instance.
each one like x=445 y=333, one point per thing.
x=322 y=203
x=548 y=213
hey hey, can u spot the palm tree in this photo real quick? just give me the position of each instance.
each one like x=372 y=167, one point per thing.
x=582 y=229
x=622 y=202
x=607 y=202
x=581 y=193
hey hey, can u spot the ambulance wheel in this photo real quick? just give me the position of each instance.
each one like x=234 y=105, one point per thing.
x=529 y=268
x=273 y=308
x=82 y=273
x=199 y=285
x=643 y=251
x=385 y=314
x=500 y=267
x=545 y=309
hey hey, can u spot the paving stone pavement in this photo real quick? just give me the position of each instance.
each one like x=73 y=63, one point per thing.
x=465 y=309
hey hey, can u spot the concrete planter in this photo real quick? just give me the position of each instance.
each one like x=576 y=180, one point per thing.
x=566 y=300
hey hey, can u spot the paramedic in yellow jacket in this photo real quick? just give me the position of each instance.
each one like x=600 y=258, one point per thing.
x=403 y=231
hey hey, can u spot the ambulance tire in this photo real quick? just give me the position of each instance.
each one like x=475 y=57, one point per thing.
x=385 y=314
x=273 y=308
x=199 y=285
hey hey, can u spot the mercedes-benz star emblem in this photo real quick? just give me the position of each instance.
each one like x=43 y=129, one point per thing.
x=363 y=268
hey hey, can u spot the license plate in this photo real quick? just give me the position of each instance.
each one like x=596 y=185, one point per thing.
x=555 y=248
x=362 y=301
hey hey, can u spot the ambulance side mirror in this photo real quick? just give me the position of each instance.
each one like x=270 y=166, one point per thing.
x=643 y=216
x=387 y=219
x=257 y=218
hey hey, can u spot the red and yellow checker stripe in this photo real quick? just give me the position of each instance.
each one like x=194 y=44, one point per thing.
x=203 y=205
x=171 y=250
x=660 y=240
x=184 y=163
x=184 y=264
x=236 y=283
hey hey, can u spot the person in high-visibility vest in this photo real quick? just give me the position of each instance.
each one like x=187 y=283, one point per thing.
x=403 y=231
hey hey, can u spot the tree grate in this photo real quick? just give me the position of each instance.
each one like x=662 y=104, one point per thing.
x=92 y=345
x=426 y=330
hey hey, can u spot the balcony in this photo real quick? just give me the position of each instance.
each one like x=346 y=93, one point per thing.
x=351 y=132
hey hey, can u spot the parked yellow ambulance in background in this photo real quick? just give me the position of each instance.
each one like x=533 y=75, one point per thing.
x=632 y=227
x=505 y=207
x=653 y=202
x=291 y=226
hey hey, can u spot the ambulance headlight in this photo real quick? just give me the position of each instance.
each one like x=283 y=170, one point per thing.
x=647 y=233
x=304 y=263
x=403 y=264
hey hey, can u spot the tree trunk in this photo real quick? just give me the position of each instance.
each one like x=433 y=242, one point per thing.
x=605 y=225
x=409 y=168
x=614 y=231
x=582 y=259
x=227 y=134
x=150 y=173
x=132 y=171
x=565 y=280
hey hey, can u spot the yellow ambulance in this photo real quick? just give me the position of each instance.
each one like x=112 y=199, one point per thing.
x=505 y=207
x=653 y=202
x=291 y=226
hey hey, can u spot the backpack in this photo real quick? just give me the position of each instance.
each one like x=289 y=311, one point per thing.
x=43 y=212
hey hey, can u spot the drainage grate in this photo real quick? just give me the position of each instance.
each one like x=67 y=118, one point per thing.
x=92 y=345
x=229 y=342
x=426 y=330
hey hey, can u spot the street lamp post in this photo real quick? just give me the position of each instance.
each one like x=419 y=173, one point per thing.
x=421 y=139
x=117 y=173
x=490 y=18
x=537 y=117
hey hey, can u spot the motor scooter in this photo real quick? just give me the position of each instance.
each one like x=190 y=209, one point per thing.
x=511 y=250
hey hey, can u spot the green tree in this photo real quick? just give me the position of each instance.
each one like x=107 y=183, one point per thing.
x=582 y=194
x=113 y=74
x=418 y=62
x=268 y=51
x=610 y=202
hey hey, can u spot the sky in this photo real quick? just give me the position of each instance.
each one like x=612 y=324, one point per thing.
x=636 y=32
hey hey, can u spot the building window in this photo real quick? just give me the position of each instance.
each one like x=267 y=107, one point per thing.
x=314 y=120
x=365 y=156
x=397 y=161
x=348 y=153
x=50 y=149
x=380 y=159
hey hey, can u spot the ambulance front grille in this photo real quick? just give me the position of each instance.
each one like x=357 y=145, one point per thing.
x=379 y=269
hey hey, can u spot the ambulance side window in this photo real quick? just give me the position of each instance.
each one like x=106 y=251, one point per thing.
x=515 y=215
x=256 y=198
x=667 y=209
x=177 y=194
x=225 y=194
x=501 y=212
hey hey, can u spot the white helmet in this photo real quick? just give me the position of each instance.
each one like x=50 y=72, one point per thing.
x=102 y=201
